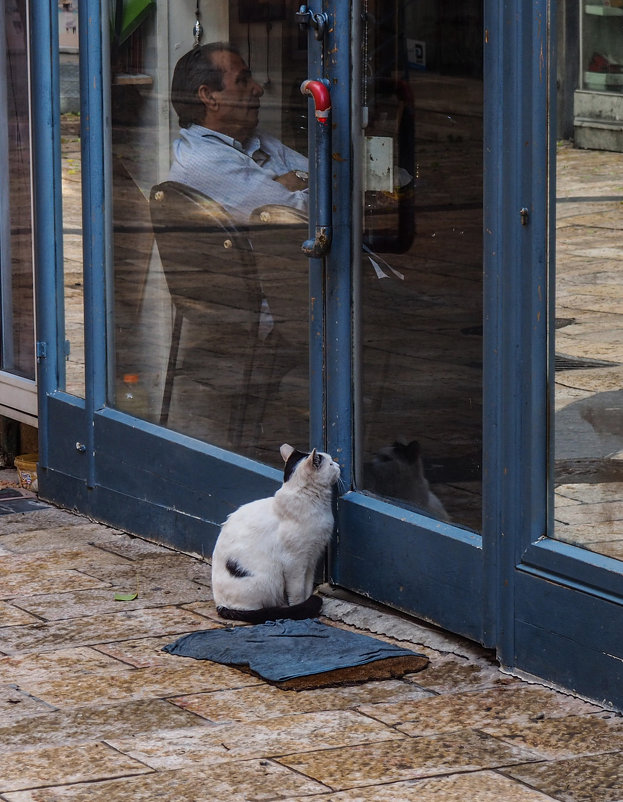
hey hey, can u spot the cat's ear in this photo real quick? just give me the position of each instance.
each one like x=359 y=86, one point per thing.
x=286 y=450
x=314 y=459
x=413 y=451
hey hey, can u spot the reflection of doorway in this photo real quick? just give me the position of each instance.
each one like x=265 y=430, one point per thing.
x=422 y=281
x=589 y=351
x=68 y=24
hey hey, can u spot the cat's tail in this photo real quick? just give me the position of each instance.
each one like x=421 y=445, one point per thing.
x=310 y=608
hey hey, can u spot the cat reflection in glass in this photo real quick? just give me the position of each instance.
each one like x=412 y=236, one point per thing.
x=397 y=473
x=267 y=551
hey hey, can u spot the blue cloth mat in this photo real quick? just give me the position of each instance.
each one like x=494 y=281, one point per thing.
x=283 y=650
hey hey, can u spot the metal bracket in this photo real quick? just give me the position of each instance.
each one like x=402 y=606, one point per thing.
x=306 y=17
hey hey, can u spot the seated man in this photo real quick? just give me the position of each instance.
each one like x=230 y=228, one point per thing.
x=219 y=151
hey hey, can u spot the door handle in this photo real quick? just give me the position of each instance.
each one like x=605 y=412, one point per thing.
x=321 y=243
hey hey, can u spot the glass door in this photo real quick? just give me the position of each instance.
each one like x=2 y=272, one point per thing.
x=209 y=323
x=417 y=513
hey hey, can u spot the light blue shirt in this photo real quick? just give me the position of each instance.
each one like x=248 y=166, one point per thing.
x=238 y=177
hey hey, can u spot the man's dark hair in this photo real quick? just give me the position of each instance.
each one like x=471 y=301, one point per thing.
x=194 y=69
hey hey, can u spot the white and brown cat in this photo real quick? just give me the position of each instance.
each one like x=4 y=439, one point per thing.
x=267 y=551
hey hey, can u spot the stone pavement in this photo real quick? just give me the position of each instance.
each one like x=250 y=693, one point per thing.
x=91 y=708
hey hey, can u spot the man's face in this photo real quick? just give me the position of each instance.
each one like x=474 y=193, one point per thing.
x=233 y=110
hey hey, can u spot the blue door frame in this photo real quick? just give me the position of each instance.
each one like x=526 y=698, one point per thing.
x=536 y=601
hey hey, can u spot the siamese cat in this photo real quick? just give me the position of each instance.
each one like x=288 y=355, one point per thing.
x=267 y=551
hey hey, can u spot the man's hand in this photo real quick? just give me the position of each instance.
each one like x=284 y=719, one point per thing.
x=294 y=180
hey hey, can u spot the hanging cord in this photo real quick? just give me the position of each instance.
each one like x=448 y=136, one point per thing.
x=197 y=27
x=269 y=27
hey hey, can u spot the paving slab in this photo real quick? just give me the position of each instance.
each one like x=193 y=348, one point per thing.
x=409 y=758
x=17 y=704
x=40 y=519
x=265 y=701
x=138 y=683
x=571 y=736
x=478 y=710
x=30 y=581
x=55 y=537
x=282 y=735
x=49 y=636
x=234 y=782
x=93 y=723
x=11 y=616
x=64 y=764
x=480 y=786
x=81 y=661
x=155 y=565
x=145 y=652
x=69 y=603
x=597 y=778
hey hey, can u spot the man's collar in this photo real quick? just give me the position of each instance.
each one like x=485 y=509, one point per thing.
x=249 y=147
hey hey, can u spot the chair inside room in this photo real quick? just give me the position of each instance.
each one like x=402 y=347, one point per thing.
x=277 y=233
x=211 y=276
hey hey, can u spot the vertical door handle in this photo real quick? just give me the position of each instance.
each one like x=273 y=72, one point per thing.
x=321 y=242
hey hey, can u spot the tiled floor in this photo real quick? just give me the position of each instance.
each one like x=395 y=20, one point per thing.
x=91 y=708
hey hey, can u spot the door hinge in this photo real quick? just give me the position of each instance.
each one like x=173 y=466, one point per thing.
x=306 y=17
x=41 y=350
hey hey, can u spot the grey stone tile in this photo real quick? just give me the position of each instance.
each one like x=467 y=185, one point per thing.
x=145 y=652
x=31 y=582
x=72 y=604
x=140 y=683
x=450 y=674
x=40 y=519
x=57 y=537
x=11 y=616
x=63 y=727
x=597 y=778
x=563 y=737
x=163 y=567
x=478 y=710
x=410 y=758
x=265 y=701
x=235 y=782
x=82 y=661
x=49 y=636
x=17 y=704
x=260 y=739
x=479 y=786
x=62 y=765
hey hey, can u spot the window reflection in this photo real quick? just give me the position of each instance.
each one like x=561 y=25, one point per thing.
x=589 y=350
x=210 y=286
x=16 y=288
x=421 y=274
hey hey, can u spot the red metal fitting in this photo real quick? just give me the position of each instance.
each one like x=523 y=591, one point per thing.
x=321 y=96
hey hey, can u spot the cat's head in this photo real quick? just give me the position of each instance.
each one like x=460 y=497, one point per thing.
x=315 y=466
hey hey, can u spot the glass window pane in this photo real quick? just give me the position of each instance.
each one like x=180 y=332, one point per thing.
x=16 y=288
x=210 y=286
x=71 y=197
x=421 y=272
x=589 y=299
